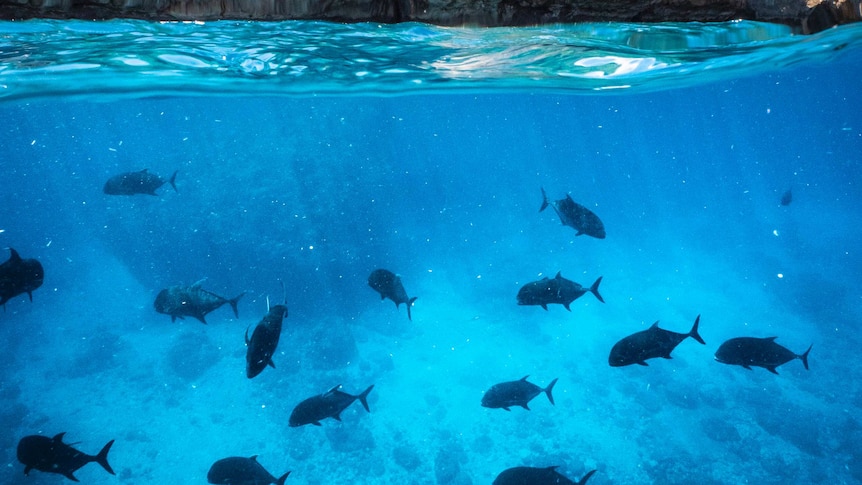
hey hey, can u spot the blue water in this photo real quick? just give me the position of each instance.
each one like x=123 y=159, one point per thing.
x=440 y=184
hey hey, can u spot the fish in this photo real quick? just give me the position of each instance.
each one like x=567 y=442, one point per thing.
x=264 y=340
x=576 y=216
x=19 y=276
x=388 y=284
x=327 y=405
x=51 y=455
x=787 y=197
x=237 y=470
x=758 y=352
x=191 y=301
x=515 y=393
x=142 y=182
x=558 y=290
x=526 y=475
x=649 y=344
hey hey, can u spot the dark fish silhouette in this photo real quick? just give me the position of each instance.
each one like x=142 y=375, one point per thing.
x=787 y=198
x=515 y=393
x=264 y=340
x=388 y=284
x=328 y=405
x=238 y=470
x=19 y=276
x=525 y=475
x=757 y=352
x=576 y=216
x=51 y=455
x=649 y=344
x=191 y=301
x=131 y=183
x=557 y=290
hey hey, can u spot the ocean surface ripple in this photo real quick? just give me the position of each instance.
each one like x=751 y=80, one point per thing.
x=144 y=59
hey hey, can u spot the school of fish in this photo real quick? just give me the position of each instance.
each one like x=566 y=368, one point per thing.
x=52 y=455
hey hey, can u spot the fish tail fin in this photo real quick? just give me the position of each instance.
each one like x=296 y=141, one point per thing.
x=233 y=303
x=173 y=181
x=693 y=334
x=282 y=478
x=363 y=398
x=102 y=458
x=410 y=304
x=583 y=481
x=549 y=389
x=544 y=200
x=804 y=356
x=595 y=289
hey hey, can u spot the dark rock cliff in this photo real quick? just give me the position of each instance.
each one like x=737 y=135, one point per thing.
x=807 y=15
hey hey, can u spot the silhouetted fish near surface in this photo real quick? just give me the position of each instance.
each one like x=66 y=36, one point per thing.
x=525 y=475
x=191 y=301
x=238 y=470
x=327 y=405
x=19 y=276
x=51 y=455
x=649 y=344
x=264 y=340
x=576 y=216
x=757 y=352
x=515 y=393
x=388 y=284
x=558 y=290
x=787 y=198
x=131 y=183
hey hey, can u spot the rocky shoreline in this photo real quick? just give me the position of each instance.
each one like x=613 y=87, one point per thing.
x=808 y=16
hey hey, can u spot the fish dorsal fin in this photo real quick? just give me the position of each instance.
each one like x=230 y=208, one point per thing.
x=333 y=389
x=524 y=379
x=247 y=341
x=59 y=437
x=552 y=468
x=654 y=325
x=771 y=339
x=559 y=275
x=15 y=256
x=253 y=458
x=569 y=197
x=197 y=284
x=144 y=170
x=267 y=303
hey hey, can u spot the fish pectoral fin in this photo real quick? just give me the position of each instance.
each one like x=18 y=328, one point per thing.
x=173 y=318
x=271 y=363
x=772 y=369
x=30 y=294
x=27 y=469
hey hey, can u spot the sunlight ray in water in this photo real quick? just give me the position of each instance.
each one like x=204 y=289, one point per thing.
x=139 y=59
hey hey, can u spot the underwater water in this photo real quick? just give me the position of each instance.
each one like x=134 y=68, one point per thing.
x=292 y=168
